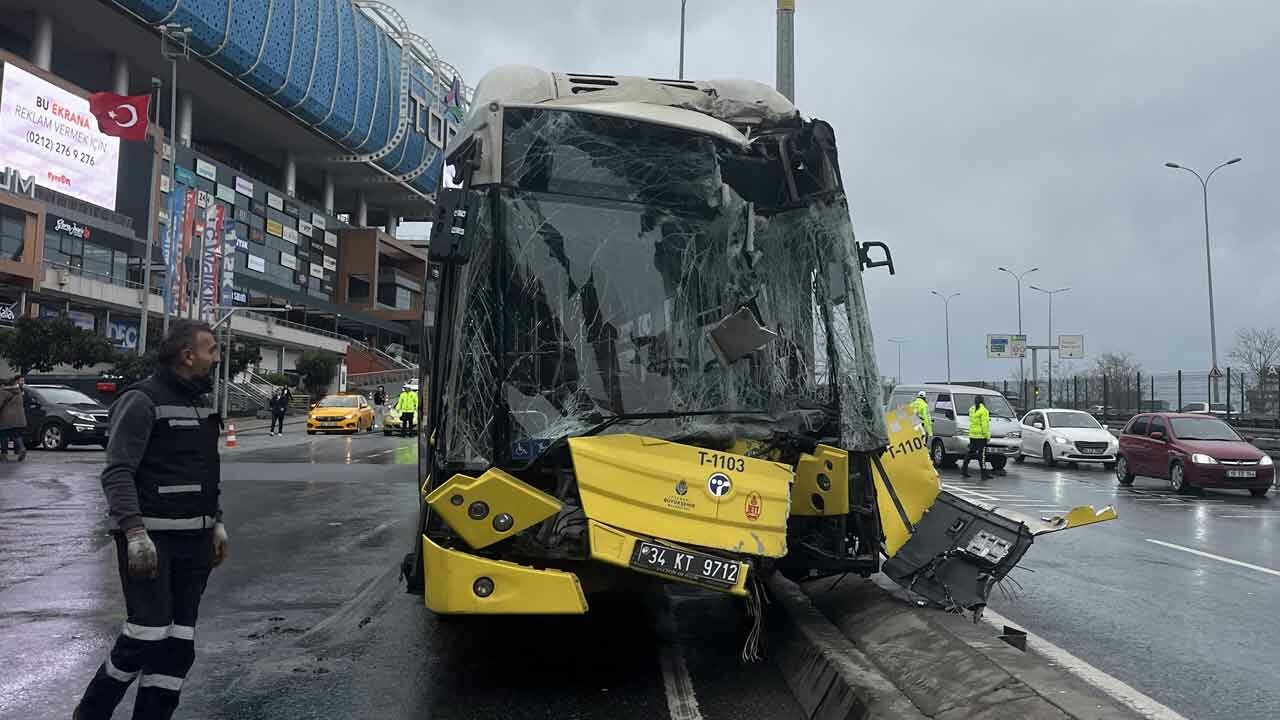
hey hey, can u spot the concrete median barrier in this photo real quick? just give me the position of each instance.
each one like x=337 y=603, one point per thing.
x=858 y=650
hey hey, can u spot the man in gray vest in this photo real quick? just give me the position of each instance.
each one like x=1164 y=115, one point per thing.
x=161 y=482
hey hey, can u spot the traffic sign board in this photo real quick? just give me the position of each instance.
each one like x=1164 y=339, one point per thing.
x=1070 y=347
x=1006 y=346
x=1215 y=373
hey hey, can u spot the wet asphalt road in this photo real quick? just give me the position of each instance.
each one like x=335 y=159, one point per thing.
x=1199 y=634
x=308 y=618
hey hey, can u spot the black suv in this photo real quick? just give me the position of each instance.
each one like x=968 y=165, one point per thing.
x=58 y=416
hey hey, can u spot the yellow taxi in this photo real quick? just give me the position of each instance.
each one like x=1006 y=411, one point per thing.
x=343 y=412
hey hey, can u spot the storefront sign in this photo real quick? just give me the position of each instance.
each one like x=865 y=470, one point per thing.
x=275 y=201
x=186 y=177
x=290 y=235
x=165 y=184
x=17 y=183
x=288 y=261
x=330 y=263
x=71 y=229
x=240 y=298
x=244 y=187
x=275 y=228
x=206 y=170
x=226 y=194
x=8 y=313
x=330 y=239
x=318 y=220
x=305 y=229
x=317 y=271
x=256 y=264
x=48 y=133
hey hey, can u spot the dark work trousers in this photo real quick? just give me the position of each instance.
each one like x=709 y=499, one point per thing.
x=157 y=644
x=977 y=449
x=14 y=435
x=406 y=423
x=277 y=419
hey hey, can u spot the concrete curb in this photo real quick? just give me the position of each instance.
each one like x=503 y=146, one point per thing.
x=942 y=666
x=829 y=677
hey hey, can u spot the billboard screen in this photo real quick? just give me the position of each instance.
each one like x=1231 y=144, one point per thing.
x=48 y=132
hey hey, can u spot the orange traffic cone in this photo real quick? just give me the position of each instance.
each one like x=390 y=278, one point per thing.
x=231 y=437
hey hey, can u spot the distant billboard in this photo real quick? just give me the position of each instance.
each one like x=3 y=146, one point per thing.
x=1006 y=346
x=1070 y=347
x=49 y=133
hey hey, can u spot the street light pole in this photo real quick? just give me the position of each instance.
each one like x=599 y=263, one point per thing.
x=946 y=303
x=1022 y=366
x=682 y=7
x=899 y=342
x=1052 y=344
x=1208 y=262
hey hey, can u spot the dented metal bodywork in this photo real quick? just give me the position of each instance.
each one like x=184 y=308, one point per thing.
x=653 y=353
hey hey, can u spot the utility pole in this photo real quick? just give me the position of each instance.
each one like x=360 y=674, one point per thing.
x=946 y=302
x=175 y=44
x=786 y=73
x=152 y=228
x=1208 y=264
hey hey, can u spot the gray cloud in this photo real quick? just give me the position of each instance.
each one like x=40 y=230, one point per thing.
x=978 y=134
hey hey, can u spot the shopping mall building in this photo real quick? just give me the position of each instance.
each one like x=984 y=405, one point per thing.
x=312 y=127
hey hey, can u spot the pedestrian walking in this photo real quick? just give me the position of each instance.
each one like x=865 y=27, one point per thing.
x=379 y=406
x=13 y=418
x=278 y=407
x=407 y=406
x=162 y=486
x=979 y=436
x=920 y=406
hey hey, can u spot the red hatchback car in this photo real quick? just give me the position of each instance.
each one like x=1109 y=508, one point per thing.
x=1192 y=451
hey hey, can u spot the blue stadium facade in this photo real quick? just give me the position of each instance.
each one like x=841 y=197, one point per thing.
x=331 y=65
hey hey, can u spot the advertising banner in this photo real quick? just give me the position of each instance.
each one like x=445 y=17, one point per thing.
x=169 y=246
x=49 y=133
x=229 y=246
x=211 y=262
x=124 y=333
x=191 y=224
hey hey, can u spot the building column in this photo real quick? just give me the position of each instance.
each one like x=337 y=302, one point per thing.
x=184 y=118
x=290 y=174
x=362 y=211
x=328 y=192
x=42 y=42
x=119 y=75
x=393 y=222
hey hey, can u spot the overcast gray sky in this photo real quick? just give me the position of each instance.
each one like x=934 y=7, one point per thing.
x=975 y=134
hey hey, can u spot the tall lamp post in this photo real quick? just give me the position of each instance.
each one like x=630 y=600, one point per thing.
x=899 y=342
x=946 y=302
x=1050 y=293
x=1022 y=366
x=1208 y=262
x=682 y=7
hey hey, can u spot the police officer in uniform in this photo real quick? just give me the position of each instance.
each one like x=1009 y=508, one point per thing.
x=979 y=436
x=920 y=406
x=161 y=482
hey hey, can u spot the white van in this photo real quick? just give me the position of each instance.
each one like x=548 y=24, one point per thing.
x=949 y=409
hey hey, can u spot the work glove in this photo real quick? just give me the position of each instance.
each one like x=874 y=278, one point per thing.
x=220 y=546
x=143 y=561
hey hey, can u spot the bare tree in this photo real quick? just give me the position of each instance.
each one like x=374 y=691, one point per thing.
x=1258 y=350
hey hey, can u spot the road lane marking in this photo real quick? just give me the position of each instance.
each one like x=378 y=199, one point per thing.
x=1122 y=692
x=1219 y=558
x=682 y=702
x=975 y=493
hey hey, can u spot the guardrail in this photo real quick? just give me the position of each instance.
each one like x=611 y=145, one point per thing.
x=156 y=288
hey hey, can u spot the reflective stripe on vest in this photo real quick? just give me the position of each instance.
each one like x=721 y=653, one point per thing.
x=203 y=522
x=167 y=489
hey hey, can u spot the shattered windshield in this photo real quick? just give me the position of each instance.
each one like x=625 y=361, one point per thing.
x=615 y=261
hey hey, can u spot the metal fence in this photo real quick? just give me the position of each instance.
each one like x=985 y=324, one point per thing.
x=1238 y=394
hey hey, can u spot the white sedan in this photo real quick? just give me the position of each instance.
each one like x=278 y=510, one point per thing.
x=1071 y=436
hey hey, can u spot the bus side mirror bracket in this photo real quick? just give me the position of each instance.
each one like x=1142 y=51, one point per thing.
x=451 y=224
x=864 y=256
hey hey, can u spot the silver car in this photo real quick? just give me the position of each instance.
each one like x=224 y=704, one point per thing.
x=949 y=411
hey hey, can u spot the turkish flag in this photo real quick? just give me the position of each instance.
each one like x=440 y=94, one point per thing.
x=124 y=116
